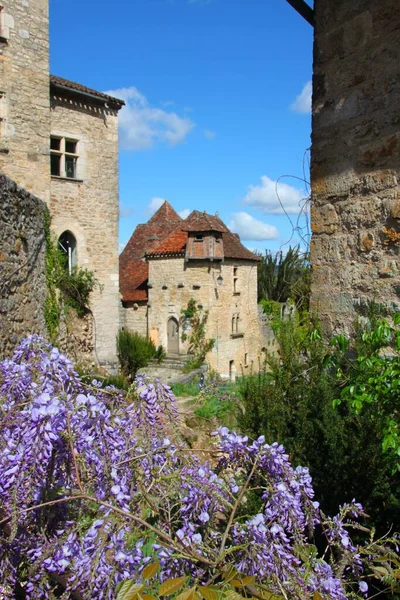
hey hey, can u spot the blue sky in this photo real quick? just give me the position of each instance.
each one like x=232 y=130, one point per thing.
x=218 y=98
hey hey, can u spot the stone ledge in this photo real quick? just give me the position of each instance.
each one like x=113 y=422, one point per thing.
x=58 y=177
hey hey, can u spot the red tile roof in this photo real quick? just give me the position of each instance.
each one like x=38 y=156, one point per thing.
x=198 y=221
x=174 y=245
x=133 y=271
x=72 y=86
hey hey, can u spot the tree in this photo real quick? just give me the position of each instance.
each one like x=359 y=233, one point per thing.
x=283 y=277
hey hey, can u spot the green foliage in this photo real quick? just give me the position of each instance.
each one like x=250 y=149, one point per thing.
x=213 y=407
x=135 y=352
x=63 y=289
x=371 y=381
x=283 y=277
x=271 y=307
x=230 y=585
x=75 y=287
x=185 y=389
x=293 y=401
x=52 y=307
x=199 y=346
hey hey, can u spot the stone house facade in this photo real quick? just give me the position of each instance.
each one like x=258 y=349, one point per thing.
x=59 y=140
x=355 y=166
x=196 y=258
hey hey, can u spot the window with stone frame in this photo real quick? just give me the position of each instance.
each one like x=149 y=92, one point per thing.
x=4 y=34
x=235 y=281
x=235 y=323
x=3 y=114
x=64 y=157
x=6 y=23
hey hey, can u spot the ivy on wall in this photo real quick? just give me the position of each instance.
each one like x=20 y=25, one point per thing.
x=65 y=290
x=194 y=317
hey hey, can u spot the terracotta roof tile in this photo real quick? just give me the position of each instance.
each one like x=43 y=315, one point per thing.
x=133 y=271
x=233 y=248
x=77 y=87
x=198 y=221
x=174 y=244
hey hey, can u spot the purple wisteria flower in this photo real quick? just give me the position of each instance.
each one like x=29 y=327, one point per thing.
x=94 y=485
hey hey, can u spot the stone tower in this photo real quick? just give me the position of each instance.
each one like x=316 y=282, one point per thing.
x=355 y=170
x=59 y=141
x=24 y=94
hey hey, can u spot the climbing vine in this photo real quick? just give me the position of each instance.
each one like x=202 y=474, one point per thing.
x=52 y=307
x=64 y=289
x=194 y=317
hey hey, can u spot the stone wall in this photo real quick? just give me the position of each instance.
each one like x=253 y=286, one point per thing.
x=22 y=265
x=88 y=208
x=134 y=317
x=173 y=282
x=24 y=95
x=355 y=158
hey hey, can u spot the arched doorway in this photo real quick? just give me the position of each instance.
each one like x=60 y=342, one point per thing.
x=173 y=336
x=67 y=245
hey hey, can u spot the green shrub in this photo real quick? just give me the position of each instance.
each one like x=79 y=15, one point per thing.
x=135 y=352
x=292 y=402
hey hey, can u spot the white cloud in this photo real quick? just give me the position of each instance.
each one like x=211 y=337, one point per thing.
x=143 y=126
x=155 y=204
x=126 y=211
x=184 y=213
x=250 y=228
x=269 y=195
x=209 y=134
x=302 y=104
x=121 y=246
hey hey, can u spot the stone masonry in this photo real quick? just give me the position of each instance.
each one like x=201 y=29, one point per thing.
x=88 y=206
x=22 y=265
x=173 y=283
x=83 y=197
x=168 y=262
x=355 y=166
x=24 y=95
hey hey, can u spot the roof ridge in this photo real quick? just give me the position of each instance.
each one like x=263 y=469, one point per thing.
x=165 y=212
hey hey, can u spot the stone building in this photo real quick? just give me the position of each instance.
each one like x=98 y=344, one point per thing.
x=355 y=170
x=59 y=140
x=168 y=262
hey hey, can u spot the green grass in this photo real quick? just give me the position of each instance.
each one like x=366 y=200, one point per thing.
x=222 y=410
x=185 y=389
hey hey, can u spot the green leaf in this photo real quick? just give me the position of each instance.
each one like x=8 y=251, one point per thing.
x=186 y=594
x=171 y=586
x=208 y=593
x=129 y=590
x=150 y=570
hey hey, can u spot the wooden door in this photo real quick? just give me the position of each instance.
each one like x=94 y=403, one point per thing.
x=173 y=336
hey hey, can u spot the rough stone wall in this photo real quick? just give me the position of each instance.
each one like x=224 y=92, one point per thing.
x=172 y=283
x=88 y=208
x=355 y=158
x=134 y=317
x=22 y=265
x=24 y=94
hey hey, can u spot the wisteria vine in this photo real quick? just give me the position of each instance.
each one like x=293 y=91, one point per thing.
x=95 y=485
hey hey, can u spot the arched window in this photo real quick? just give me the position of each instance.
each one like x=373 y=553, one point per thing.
x=67 y=245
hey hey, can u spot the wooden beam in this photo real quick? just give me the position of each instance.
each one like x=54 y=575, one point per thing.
x=303 y=9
